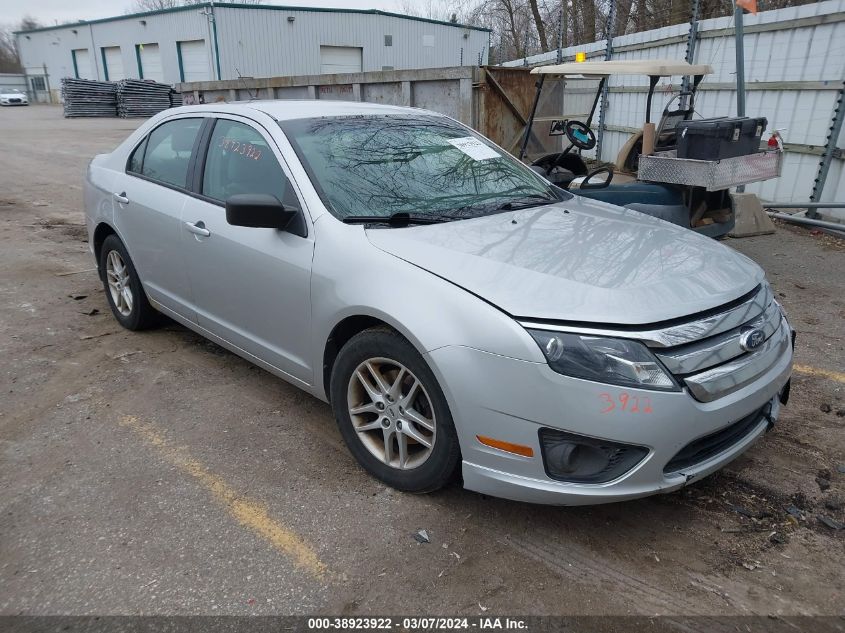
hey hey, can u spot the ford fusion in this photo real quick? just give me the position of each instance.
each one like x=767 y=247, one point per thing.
x=464 y=318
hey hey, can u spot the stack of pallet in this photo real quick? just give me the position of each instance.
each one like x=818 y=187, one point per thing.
x=88 y=98
x=175 y=99
x=144 y=98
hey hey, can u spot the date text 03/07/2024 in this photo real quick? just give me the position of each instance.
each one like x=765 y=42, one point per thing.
x=481 y=623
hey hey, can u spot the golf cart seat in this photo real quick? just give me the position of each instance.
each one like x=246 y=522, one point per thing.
x=560 y=168
x=640 y=193
x=658 y=200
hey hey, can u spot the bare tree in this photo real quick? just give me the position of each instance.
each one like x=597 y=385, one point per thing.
x=538 y=23
x=9 y=60
x=28 y=23
x=139 y=6
x=153 y=5
x=461 y=11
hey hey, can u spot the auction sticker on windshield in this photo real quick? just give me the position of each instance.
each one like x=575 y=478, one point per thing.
x=474 y=148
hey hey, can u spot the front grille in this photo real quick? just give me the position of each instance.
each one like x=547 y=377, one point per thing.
x=704 y=448
x=717 y=364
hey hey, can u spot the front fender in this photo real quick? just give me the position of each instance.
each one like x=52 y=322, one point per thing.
x=351 y=277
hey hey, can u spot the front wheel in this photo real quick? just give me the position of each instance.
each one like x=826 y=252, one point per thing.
x=126 y=296
x=392 y=413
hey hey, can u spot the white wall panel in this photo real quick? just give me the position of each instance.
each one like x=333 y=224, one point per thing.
x=810 y=52
x=270 y=41
x=257 y=41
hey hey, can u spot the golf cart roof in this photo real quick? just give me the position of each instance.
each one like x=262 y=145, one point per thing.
x=648 y=67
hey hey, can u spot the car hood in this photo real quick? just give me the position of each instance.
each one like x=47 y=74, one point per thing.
x=9 y=95
x=578 y=260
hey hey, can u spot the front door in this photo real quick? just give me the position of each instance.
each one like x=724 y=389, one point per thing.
x=251 y=286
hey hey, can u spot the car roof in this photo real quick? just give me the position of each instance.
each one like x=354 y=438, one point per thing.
x=650 y=67
x=286 y=109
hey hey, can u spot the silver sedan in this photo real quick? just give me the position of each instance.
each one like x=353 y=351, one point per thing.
x=463 y=316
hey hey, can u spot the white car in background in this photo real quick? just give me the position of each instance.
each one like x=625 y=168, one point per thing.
x=13 y=97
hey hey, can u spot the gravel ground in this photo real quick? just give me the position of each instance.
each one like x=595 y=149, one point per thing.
x=156 y=473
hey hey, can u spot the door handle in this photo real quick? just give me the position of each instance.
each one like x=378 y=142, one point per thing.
x=198 y=228
x=121 y=197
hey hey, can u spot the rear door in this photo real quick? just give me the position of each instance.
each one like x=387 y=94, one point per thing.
x=113 y=63
x=251 y=286
x=341 y=59
x=149 y=199
x=149 y=62
x=193 y=60
x=82 y=63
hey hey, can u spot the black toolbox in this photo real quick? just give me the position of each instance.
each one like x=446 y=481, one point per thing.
x=715 y=139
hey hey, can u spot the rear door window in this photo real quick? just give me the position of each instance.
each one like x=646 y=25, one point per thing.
x=240 y=160
x=169 y=151
x=137 y=159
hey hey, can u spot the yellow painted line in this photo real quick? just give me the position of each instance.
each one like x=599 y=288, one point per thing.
x=248 y=512
x=838 y=376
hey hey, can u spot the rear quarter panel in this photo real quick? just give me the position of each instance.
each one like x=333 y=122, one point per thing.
x=97 y=195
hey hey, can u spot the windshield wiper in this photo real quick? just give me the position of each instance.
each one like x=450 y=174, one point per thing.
x=532 y=200
x=399 y=219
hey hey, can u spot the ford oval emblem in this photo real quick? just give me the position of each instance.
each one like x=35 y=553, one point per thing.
x=752 y=339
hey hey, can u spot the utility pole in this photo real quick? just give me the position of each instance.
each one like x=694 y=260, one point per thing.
x=692 y=40
x=560 y=32
x=608 y=53
x=739 y=33
x=830 y=150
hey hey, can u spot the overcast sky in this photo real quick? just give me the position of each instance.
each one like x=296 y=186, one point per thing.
x=48 y=11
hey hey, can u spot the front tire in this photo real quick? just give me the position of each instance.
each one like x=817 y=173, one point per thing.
x=392 y=412
x=126 y=296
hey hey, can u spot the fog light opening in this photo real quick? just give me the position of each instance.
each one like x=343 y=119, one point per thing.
x=579 y=459
x=569 y=458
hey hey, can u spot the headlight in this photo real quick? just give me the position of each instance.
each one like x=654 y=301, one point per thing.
x=615 y=361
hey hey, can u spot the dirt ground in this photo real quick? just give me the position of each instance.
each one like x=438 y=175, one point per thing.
x=157 y=473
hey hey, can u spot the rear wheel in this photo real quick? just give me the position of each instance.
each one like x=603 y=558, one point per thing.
x=126 y=296
x=392 y=413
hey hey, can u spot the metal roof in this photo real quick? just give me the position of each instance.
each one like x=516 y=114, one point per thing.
x=649 y=67
x=237 y=5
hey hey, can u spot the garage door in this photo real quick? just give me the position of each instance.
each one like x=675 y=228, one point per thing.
x=341 y=59
x=82 y=63
x=193 y=61
x=149 y=62
x=113 y=63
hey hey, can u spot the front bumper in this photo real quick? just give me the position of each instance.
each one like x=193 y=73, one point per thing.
x=511 y=400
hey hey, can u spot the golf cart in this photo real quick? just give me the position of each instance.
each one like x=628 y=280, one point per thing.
x=680 y=170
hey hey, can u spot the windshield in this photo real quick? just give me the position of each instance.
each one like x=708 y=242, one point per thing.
x=384 y=165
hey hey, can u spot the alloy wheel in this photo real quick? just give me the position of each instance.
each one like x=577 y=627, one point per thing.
x=392 y=413
x=117 y=275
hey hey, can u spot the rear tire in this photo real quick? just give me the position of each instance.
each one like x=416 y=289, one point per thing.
x=392 y=412
x=124 y=292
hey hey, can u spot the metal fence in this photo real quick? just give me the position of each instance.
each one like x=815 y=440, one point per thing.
x=794 y=73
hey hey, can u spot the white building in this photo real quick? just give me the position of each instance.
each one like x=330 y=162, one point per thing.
x=218 y=40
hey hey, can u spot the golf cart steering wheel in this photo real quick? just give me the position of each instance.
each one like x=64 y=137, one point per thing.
x=579 y=134
x=585 y=184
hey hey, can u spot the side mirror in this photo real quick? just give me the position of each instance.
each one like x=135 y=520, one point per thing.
x=259 y=210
